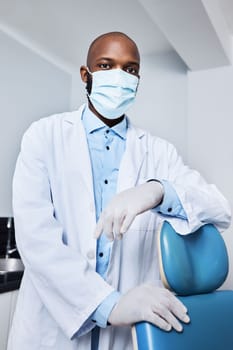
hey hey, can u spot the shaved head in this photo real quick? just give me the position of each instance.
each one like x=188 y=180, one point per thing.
x=106 y=39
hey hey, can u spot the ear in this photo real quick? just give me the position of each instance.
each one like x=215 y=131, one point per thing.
x=83 y=73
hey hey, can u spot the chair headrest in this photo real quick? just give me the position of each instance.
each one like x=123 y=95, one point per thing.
x=192 y=264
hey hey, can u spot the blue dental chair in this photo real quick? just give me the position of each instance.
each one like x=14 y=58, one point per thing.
x=193 y=266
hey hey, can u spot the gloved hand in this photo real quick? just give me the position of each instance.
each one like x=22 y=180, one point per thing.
x=152 y=304
x=122 y=209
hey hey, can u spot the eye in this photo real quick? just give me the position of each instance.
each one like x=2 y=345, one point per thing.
x=104 y=66
x=131 y=70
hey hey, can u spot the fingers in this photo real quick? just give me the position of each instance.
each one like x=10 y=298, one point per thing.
x=128 y=219
x=117 y=224
x=176 y=303
x=110 y=226
x=104 y=226
x=179 y=309
x=114 y=225
x=158 y=321
x=122 y=224
x=98 y=229
x=171 y=310
x=168 y=318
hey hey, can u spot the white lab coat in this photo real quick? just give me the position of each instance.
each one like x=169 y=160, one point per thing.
x=55 y=219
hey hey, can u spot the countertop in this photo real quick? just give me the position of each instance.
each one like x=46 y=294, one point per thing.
x=11 y=267
x=11 y=273
x=10 y=281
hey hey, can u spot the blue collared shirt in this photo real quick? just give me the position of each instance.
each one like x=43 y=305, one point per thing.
x=106 y=148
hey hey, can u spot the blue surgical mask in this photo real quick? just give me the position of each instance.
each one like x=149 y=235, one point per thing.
x=113 y=92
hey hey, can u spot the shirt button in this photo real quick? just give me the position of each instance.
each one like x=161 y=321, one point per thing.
x=106 y=182
x=169 y=210
x=91 y=254
x=107 y=131
x=101 y=254
x=108 y=148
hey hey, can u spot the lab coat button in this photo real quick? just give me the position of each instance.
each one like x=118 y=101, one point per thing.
x=91 y=254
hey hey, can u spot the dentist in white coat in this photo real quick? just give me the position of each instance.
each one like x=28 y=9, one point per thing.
x=82 y=290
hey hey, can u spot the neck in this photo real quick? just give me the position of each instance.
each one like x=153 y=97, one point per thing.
x=108 y=122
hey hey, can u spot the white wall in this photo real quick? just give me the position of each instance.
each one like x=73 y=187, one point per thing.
x=210 y=130
x=161 y=104
x=30 y=88
x=78 y=92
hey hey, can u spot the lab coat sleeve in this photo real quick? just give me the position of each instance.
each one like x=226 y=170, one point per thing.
x=67 y=286
x=202 y=202
x=171 y=204
x=103 y=311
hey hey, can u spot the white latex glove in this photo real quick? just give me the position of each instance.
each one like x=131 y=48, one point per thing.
x=152 y=304
x=116 y=218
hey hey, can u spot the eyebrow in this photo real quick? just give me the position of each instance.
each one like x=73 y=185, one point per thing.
x=112 y=60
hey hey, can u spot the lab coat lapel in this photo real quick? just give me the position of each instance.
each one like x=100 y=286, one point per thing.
x=132 y=159
x=79 y=159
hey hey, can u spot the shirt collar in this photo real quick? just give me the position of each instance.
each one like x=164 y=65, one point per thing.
x=93 y=124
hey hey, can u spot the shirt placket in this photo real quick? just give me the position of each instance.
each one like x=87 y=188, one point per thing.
x=104 y=245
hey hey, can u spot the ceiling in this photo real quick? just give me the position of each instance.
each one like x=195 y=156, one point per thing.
x=226 y=7
x=61 y=30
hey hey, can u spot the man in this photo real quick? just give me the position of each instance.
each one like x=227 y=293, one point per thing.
x=82 y=290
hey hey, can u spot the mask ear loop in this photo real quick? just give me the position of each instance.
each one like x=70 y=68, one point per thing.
x=89 y=82
x=88 y=70
x=137 y=84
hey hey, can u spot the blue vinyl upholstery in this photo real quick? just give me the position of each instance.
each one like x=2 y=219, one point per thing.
x=211 y=326
x=193 y=266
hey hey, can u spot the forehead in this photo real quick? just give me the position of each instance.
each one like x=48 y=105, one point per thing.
x=114 y=47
